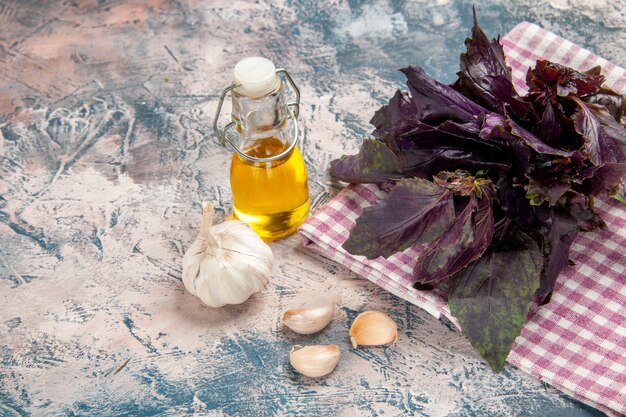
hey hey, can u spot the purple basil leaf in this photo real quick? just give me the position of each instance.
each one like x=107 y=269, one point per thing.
x=485 y=77
x=494 y=120
x=597 y=70
x=530 y=154
x=427 y=150
x=395 y=118
x=464 y=242
x=436 y=102
x=556 y=243
x=608 y=179
x=511 y=102
x=484 y=58
x=548 y=130
x=553 y=79
x=469 y=130
x=460 y=182
x=555 y=119
x=513 y=201
x=614 y=102
x=495 y=128
x=464 y=184
x=605 y=143
x=534 y=142
x=375 y=162
x=547 y=189
x=580 y=207
x=604 y=138
x=492 y=296
x=416 y=211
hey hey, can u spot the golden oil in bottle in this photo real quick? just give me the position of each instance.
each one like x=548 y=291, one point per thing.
x=272 y=197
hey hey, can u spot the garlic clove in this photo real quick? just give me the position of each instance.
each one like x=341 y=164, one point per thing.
x=373 y=328
x=309 y=319
x=314 y=361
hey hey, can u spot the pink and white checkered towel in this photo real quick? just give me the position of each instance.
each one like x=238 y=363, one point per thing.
x=577 y=342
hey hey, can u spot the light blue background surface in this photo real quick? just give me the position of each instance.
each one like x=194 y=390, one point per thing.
x=106 y=152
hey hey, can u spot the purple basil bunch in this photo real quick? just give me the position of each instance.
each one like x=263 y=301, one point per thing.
x=495 y=186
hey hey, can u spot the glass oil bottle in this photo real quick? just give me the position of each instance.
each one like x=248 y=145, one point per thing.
x=268 y=176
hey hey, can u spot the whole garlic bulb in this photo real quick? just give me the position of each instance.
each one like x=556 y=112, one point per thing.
x=227 y=263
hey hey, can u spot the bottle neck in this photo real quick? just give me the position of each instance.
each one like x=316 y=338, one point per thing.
x=259 y=118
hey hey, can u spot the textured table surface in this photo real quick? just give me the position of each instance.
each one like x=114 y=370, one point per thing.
x=106 y=152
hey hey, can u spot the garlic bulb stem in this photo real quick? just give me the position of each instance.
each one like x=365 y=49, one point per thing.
x=207 y=224
x=207 y=218
x=315 y=361
x=373 y=328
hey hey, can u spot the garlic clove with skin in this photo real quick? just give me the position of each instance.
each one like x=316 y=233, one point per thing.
x=310 y=318
x=314 y=361
x=227 y=263
x=373 y=328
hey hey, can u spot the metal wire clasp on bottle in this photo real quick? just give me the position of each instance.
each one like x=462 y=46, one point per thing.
x=293 y=108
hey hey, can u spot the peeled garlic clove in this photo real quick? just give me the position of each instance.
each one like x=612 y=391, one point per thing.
x=373 y=328
x=314 y=361
x=309 y=319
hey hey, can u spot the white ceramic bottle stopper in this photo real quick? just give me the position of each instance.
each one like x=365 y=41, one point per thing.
x=256 y=76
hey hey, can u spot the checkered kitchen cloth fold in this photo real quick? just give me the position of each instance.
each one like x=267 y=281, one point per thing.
x=577 y=342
